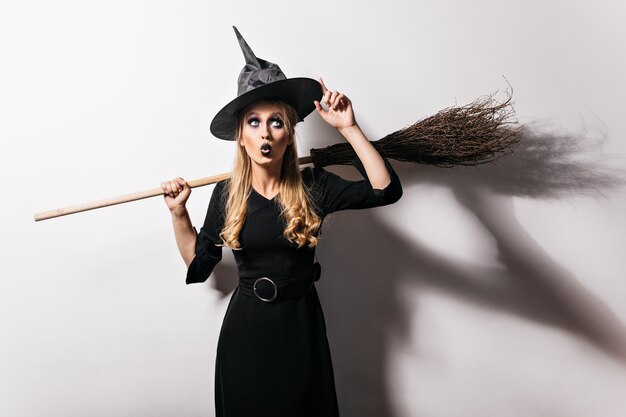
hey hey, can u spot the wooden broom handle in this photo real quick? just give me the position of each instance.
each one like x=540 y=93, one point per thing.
x=200 y=182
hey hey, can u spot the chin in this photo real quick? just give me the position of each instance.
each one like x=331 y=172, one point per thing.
x=267 y=160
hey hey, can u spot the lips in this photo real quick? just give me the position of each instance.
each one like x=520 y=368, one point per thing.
x=266 y=149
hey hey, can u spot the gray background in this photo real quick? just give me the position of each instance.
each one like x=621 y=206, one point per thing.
x=496 y=291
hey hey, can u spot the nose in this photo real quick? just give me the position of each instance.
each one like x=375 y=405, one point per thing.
x=265 y=132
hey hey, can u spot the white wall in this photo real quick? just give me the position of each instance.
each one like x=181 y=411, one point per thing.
x=494 y=291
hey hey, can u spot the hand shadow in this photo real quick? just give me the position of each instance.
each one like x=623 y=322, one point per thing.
x=363 y=277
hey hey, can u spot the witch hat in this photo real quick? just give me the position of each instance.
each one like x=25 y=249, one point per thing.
x=264 y=80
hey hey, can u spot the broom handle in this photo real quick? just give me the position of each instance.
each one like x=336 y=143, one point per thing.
x=200 y=182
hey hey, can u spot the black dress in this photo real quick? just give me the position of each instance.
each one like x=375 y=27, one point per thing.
x=273 y=358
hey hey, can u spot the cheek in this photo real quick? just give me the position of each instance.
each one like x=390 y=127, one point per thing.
x=245 y=141
x=244 y=148
x=283 y=138
x=283 y=144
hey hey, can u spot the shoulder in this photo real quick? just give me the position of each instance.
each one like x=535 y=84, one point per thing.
x=316 y=177
x=307 y=176
x=321 y=186
x=219 y=196
x=222 y=185
x=312 y=178
x=221 y=189
x=315 y=180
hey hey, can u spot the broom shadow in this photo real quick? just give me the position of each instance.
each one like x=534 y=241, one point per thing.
x=362 y=281
x=365 y=264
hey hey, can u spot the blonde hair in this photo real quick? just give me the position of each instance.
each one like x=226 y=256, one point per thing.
x=301 y=221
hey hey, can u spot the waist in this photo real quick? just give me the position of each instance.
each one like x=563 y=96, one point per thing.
x=271 y=289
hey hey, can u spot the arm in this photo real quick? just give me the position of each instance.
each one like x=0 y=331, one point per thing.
x=176 y=192
x=201 y=252
x=381 y=185
x=340 y=115
x=185 y=235
x=373 y=163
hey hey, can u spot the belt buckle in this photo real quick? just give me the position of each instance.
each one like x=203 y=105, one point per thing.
x=267 y=300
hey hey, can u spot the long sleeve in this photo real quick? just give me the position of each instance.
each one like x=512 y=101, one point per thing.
x=333 y=193
x=208 y=253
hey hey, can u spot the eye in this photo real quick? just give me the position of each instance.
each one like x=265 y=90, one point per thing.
x=276 y=122
x=254 y=122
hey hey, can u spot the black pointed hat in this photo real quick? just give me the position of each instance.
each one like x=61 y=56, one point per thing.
x=258 y=80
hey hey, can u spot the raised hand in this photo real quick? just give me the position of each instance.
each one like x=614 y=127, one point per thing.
x=340 y=114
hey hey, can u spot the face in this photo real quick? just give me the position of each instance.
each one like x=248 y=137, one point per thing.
x=264 y=134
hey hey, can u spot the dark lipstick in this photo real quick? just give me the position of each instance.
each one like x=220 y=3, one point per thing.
x=266 y=149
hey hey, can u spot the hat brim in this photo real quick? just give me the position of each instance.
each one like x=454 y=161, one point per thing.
x=298 y=92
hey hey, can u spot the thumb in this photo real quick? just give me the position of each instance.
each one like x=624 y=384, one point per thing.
x=319 y=108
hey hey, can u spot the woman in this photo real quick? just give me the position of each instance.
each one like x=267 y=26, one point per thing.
x=273 y=357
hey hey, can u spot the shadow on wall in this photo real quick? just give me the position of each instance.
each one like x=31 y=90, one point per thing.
x=362 y=278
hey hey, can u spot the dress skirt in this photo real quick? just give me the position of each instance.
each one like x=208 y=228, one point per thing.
x=273 y=359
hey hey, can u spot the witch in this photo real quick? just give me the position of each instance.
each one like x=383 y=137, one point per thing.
x=273 y=357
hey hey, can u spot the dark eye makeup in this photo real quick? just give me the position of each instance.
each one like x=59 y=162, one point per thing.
x=275 y=122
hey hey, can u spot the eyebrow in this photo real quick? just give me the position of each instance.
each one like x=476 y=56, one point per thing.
x=275 y=114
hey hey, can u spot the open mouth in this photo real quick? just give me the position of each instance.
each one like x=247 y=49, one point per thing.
x=266 y=149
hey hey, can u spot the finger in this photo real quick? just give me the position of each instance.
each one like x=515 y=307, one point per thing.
x=334 y=101
x=168 y=188
x=340 y=104
x=319 y=108
x=174 y=187
x=177 y=186
x=186 y=186
x=327 y=95
x=324 y=89
x=333 y=98
x=167 y=191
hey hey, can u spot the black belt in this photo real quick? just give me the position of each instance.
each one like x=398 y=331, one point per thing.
x=268 y=290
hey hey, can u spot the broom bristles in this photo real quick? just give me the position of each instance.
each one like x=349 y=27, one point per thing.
x=473 y=134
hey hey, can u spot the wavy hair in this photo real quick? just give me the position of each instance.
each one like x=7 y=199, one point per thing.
x=301 y=221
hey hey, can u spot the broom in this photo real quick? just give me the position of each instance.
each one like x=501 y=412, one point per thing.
x=473 y=134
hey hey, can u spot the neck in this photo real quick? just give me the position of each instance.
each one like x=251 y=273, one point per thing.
x=266 y=180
